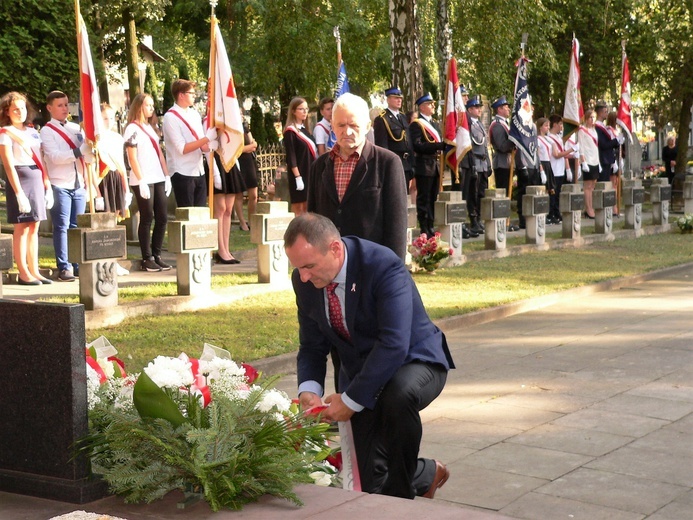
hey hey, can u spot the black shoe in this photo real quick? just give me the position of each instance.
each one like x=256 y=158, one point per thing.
x=465 y=233
x=246 y=230
x=150 y=265
x=66 y=276
x=513 y=227
x=476 y=227
x=164 y=266
x=230 y=261
x=27 y=282
x=45 y=281
x=472 y=232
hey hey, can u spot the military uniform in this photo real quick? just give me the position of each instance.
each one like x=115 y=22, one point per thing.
x=499 y=134
x=428 y=144
x=476 y=166
x=390 y=132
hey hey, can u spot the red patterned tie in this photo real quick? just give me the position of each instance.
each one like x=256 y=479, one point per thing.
x=336 y=316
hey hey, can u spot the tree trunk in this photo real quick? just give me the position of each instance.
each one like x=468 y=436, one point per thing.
x=406 y=55
x=683 y=133
x=443 y=43
x=131 y=55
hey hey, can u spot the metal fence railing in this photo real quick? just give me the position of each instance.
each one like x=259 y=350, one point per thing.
x=269 y=157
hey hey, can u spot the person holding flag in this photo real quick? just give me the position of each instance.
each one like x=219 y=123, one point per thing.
x=428 y=145
x=185 y=141
x=478 y=167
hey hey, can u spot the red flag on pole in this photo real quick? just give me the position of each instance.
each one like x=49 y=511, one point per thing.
x=623 y=117
x=573 y=112
x=456 y=133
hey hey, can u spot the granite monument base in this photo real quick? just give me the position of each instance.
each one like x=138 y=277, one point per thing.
x=44 y=409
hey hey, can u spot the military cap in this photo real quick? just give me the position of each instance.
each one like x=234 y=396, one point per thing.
x=499 y=102
x=474 y=101
x=425 y=99
x=393 y=91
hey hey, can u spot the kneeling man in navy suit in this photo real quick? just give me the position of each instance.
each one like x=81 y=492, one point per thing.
x=357 y=296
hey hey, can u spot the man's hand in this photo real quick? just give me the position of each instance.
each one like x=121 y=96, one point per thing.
x=309 y=400
x=337 y=411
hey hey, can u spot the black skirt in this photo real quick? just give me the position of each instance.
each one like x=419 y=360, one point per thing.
x=113 y=193
x=231 y=181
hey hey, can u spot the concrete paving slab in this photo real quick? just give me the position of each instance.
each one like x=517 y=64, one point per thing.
x=667 y=440
x=623 y=492
x=534 y=506
x=673 y=468
x=481 y=487
x=527 y=460
x=538 y=397
x=667 y=409
x=467 y=434
x=676 y=386
x=611 y=422
x=571 y=440
x=505 y=416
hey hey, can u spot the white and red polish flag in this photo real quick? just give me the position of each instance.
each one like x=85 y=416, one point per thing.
x=88 y=87
x=224 y=111
x=623 y=116
x=573 y=112
x=456 y=131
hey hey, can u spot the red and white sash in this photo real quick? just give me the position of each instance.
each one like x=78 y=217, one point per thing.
x=179 y=116
x=69 y=141
x=21 y=141
x=545 y=145
x=430 y=130
x=307 y=140
x=154 y=140
x=586 y=131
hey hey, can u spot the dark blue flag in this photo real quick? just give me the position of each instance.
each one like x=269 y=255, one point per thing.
x=342 y=82
x=523 y=131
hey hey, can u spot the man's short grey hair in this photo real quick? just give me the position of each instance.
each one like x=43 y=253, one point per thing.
x=355 y=104
x=318 y=231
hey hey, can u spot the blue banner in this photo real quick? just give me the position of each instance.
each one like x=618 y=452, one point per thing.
x=342 y=82
x=523 y=131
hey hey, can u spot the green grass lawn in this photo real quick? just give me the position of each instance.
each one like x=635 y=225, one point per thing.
x=266 y=325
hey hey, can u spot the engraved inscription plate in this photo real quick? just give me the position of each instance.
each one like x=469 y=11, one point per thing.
x=6 y=252
x=541 y=205
x=105 y=243
x=199 y=235
x=275 y=228
x=609 y=198
x=577 y=201
x=500 y=208
x=456 y=212
x=665 y=193
x=638 y=195
x=411 y=217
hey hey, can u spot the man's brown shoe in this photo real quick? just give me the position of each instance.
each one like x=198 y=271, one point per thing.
x=440 y=478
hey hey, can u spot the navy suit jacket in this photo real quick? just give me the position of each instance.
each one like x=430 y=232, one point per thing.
x=386 y=319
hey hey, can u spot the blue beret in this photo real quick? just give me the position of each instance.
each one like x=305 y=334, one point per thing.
x=393 y=91
x=499 y=102
x=425 y=98
x=474 y=101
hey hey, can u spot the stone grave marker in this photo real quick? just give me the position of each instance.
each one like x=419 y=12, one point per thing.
x=660 y=197
x=688 y=197
x=571 y=202
x=633 y=197
x=535 y=207
x=193 y=235
x=267 y=231
x=495 y=210
x=449 y=213
x=6 y=258
x=95 y=244
x=603 y=202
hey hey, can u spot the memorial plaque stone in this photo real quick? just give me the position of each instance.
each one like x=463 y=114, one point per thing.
x=638 y=195
x=577 y=201
x=500 y=208
x=275 y=228
x=541 y=205
x=200 y=235
x=609 y=198
x=108 y=243
x=411 y=217
x=6 y=258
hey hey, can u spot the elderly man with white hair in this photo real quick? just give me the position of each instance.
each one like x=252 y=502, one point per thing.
x=357 y=185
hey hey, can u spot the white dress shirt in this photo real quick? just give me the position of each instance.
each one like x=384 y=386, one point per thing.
x=177 y=135
x=59 y=158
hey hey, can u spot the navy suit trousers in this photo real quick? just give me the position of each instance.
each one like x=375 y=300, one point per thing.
x=387 y=438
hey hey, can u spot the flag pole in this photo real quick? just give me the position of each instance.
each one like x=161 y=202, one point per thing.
x=211 y=86
x=512 y=155
x=620 y=147
x=441 y=161
x=338 y=37
x=88 y=172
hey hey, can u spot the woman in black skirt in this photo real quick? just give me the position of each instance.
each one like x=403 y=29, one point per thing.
x=227 y=183
x=113 y=183
x=300 y=153
x=249 y=173
x=28 y=189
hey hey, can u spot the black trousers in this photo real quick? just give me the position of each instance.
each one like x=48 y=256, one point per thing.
x=387 y=438
x=154 y=208
x=189 y=191
x=426 y=195
x=554 y=209
x=502 y=178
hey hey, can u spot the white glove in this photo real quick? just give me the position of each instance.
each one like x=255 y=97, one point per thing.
x=167 y=185
x=211 y=134
x=23 y=203
x=144 y=190
x=543 y=177
x=217 y=180
x=620 y=138
x=299 y=183
x=213 y=145
x=569 y=174
x=99 y=204
x=49 y=198
x=585 y=167
x=84 y=148
x=128 y=199
x=614 y=168
x=623 y=164
x=600 y=168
